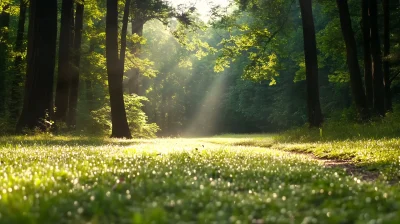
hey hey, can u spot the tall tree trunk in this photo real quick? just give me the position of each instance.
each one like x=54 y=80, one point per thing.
x=16 y=91
x=74 y=84
x=124 y=32
x=4 y=25
x=64 y=61
x=366 y=30
x=377 y=77
x=352 y=61
x=115 y=68
x=310 y=51
x=134 y=80
x=42 y=35
x=386 y=52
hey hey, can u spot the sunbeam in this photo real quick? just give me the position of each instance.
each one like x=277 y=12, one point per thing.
x=205 y=120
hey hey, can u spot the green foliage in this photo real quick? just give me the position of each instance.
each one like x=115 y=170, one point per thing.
x=5 y=126
x=301 y=73
x=10 y=6
x=251 y=55
x=192 y=39
x=344 y=126
x=252 y=43
x=137 y=119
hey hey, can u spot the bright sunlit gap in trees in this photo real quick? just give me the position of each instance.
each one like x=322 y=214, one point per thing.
x=205 y=118
x=203 y=7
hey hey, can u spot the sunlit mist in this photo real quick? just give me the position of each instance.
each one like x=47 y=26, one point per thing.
x=205 y=120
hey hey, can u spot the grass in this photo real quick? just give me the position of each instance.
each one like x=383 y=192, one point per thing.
x=47 y=179
x=378 y=155
x=373 y=146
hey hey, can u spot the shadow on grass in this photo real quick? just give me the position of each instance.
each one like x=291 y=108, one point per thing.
x=29 y=141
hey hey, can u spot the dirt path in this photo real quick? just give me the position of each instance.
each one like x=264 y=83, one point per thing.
x=349 y=166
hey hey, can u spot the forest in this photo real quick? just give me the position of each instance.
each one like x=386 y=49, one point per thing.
x=206 y=111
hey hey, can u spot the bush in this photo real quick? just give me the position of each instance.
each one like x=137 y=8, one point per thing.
x=137 y=119
x=343 y=128
x=5 y=126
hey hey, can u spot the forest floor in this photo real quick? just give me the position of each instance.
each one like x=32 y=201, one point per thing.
x=223 y=179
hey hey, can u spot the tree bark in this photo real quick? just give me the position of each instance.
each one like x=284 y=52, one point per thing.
x=310 y=51
x=366 y=30
x=16 y=91
x=4 y=25
x=76 y=59
x=115 y=68
x=386 y=52
x=352 y=61
x=377 y=77
x=124 y=32
x=64 y=61
x=42 y=35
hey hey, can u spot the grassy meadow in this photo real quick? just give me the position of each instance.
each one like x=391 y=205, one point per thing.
x=223 y=179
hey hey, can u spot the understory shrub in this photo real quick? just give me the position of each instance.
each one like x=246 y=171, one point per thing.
x=342 y=128
x=137 y=119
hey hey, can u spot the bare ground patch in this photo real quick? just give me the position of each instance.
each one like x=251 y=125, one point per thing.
x=347 y=165
x=351 y=169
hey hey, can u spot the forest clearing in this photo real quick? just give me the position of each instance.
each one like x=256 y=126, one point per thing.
x=223 y=179
x=200 y=111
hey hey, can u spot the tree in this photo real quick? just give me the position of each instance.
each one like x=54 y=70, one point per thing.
x=141 y=13
x=38 y=96
x=16 y=95
x=366 y=30
x=386 y=53
x=115 y=68
x=4 y=26
x=75 y=72
x=310 y=52
x=64 y=61
x=377 y=76
x=352 y=61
